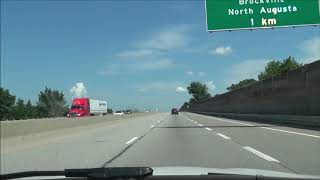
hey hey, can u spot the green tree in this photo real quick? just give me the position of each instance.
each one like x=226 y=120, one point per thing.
x=198 y=91
x=109 y=111
x=133 y=109
x=275 y=68
x=241 y=84
x=289 y=64
x=51 y=103
x=185 y=106
x=271 y=69
x=19 y=110
x=31 y=110
x=6 y=104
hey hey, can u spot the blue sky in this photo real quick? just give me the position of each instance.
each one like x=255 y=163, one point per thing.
x=133 y=52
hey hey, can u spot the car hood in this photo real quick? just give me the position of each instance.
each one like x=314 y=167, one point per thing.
x=183 y=170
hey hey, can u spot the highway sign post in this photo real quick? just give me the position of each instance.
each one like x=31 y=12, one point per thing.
x=251 y=14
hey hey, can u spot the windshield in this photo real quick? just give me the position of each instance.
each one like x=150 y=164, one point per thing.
x=128 y=83
x=77 y=107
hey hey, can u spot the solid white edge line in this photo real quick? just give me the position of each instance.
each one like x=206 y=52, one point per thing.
x=187 y=118
x=131 y=140
x=219 y=119
x=292 y=132
x=191 y=120
x=224 y=136
x=209 y=129
x=260 y=154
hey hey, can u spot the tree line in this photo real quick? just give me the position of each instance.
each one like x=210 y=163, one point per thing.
x=199 y=91
x=273 y=68
x=51 y=103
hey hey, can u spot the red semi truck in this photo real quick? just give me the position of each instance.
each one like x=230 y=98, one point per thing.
x=87 y=107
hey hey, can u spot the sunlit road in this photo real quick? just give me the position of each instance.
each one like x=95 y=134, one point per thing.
x=162 y=139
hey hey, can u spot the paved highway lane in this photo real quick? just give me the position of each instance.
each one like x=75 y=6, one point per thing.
x=78 y=147
x=197 y=140
x=295 y=148
x=162 y=139
x=180 y=142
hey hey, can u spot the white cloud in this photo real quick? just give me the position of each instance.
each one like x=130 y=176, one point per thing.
x=180 y=89
x=222 y=50
x=190 y=73
x=210 y=85
x=170 y=37
x=136 y=53
x=167 y=38
x=201 y=74
x=152 y=65
x=162 y=87
x=137 y=66
x=78 y=90
x=311 y=48
x=149 y=54
x=244 y=70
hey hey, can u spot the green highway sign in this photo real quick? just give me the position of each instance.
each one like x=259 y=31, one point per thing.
x=250 y=14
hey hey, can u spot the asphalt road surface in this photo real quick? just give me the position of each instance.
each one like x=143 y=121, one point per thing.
x=162 y=139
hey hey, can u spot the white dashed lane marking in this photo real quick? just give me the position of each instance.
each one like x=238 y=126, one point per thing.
x=131 y=140
x=224 y=136
x=260 y=154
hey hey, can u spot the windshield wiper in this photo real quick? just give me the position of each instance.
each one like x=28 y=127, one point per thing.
x=96 y=173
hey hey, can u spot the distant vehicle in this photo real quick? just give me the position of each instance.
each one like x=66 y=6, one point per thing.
x=147 y=111
x=128 y=112
x=118 y=113
x=174 y=111
x=87 y=107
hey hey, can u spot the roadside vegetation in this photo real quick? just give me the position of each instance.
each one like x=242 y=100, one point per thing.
x=51 y=103
x=199 y=91
x=273 y=68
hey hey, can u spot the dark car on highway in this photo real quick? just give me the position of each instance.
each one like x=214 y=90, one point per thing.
x=127 y=112
x=174 y=111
